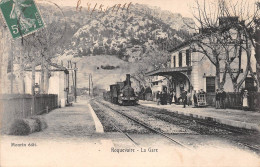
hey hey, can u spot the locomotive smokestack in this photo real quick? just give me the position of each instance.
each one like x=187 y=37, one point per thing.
x=128 y=82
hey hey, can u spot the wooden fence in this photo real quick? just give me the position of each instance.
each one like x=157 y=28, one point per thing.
x=22 y=106
x=234 y=100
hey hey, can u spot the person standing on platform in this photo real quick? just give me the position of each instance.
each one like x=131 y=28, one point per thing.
x=195 y=99
x=164 y=97
x=184 y=98
x=189 y=98
x=175 y=97
x=217 y=99
x=223 y=96
x=171 y=97
x=158 y=98
x=245 y=100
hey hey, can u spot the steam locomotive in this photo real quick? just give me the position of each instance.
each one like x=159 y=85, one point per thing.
x=121 y=93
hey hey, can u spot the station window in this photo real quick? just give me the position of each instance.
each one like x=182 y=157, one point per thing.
x=180 y=59
x=249 y=83
x=188 y=57
x=210 y=84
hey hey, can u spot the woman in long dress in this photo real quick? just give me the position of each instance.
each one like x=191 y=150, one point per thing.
x=245 y=100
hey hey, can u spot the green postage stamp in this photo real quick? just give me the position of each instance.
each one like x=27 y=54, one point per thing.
x=21 y=16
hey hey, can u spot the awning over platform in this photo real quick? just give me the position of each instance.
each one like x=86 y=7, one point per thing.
x=168 y=71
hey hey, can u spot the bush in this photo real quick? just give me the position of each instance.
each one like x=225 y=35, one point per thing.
x=41 y=124
x=108 y=67
x=38 y=124
x=20 y=128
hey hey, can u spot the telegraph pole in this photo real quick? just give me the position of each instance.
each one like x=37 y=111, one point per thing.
x=74 y=77
x=68 y=85
x=89 y=85
x=92 y=85
x=75 y=92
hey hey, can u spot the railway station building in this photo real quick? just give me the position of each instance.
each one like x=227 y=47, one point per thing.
x=57 y=81
x=192 y=71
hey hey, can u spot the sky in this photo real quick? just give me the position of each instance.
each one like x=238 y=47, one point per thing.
x=175 y=6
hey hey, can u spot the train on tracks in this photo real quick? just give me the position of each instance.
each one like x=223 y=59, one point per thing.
x=121 y=93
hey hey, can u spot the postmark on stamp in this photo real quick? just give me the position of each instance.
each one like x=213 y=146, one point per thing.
x=21 y=16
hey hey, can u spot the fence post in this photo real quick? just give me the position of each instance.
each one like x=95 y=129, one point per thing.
x=23 y=107
x=33 y=104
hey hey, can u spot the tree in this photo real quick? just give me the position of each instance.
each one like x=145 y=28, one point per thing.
x=224 y=31
x=152 y=60
x=46 y=42
x=257 y=45
x=244 y=37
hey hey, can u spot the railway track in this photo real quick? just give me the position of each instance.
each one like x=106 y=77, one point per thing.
x=121 y=131
x=213 y=124
x=144 y=125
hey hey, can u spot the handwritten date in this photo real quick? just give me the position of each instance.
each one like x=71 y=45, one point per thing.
x=101 y=8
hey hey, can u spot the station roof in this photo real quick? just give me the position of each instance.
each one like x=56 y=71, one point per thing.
x=56 y=67
x=168 y=71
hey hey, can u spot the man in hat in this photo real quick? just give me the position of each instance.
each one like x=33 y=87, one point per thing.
x=184 y=98
x=217 y=99
x=223 y=96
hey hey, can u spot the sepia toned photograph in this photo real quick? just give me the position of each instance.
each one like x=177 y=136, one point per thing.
x=130 y=83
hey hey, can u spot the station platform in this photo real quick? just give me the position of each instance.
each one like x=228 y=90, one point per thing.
x=77 y=120
x=231 y=117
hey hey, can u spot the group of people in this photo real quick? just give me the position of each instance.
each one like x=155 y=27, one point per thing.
x=162 y=97
x=185 y=97
x=220 y=99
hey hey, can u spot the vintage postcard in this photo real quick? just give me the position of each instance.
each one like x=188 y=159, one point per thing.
x=129 y=83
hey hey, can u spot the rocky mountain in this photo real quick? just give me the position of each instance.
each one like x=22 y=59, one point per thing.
x=130 y=35
x=175 y=20
x=136 y=38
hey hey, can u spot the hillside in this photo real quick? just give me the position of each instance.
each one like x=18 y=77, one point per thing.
x=119 y=42
x=128 y=35
x=97 y=66
x=174 y=20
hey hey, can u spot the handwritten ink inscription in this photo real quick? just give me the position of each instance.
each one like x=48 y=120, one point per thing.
x=102 y=8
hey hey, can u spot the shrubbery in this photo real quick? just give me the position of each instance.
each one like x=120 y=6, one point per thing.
x=108 y=67
x=23 y=127
x=41 y=124
x=20 y=128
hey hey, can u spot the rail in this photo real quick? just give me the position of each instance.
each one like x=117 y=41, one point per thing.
x=147 y=126
x=121 y=131
x=213 y=124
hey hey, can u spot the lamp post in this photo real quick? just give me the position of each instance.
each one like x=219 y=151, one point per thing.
x=36 y=88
